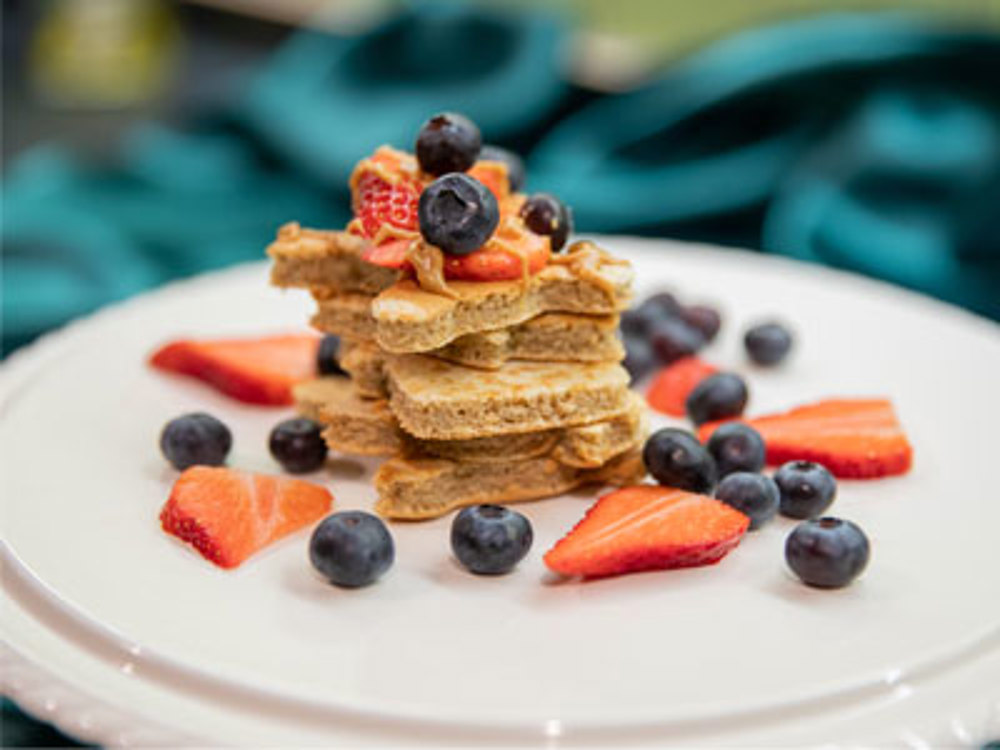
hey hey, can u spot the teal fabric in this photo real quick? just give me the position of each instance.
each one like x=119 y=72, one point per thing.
x=868 y=142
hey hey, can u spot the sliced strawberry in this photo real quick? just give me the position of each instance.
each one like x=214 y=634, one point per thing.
x=391 y=254
x=854 y=438
x=255 y=371
x=379 y=202
x=494 y=262
x=673 y=384
x=648 y=528
x=228 y=515
x=493 y=174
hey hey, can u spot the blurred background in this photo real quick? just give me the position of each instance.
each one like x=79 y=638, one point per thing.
x=147 y=140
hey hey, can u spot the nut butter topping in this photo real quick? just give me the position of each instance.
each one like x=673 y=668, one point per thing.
x=584 y=260
x=428 y=264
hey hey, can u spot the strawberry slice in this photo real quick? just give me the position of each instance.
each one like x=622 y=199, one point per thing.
x=390 y=254
x=228 y=515
x=858 y=438
x=673 y=384
x=493 y=174
x=494 y=262
x=379 y=202
x=255 y=371
x=648 y=528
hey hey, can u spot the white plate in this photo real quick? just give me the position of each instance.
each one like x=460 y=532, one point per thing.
x=127 y=622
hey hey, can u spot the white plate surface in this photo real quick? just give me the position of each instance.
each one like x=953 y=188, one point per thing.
x=736 y=653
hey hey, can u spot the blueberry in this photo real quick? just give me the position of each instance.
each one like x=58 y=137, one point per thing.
x=197 y=438
x=706 y=319
x=737 y=447
x=666 y=303
x=768 y=343
x=297 y=444
x=675 y=458
x=639 y=357
x=827 y=552
x=352 y=548
x=457 y=214
x=754 y=495
x=672 y=339
x=448 y=142
x=326 y=356
x=547 y=215
x=515 y=165
x=718 y=396
x=490 y=539
x=807 y=489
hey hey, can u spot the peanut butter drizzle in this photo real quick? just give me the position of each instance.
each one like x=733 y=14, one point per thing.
x=428 y=263
x=390 y=232
x=584 y=259
x=498 y=242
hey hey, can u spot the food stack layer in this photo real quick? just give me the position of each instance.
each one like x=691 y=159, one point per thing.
x=483 y=358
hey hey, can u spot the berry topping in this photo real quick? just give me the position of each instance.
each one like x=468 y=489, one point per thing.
x=767 y=344
x=195 y=439
x=754 y=495
x=737 y=447
x=379 y=203
x=458 y=214
x=256 y=371
x=448 y=142
x=647 y=528
x=718 y=396
x=639 y=357
x=853 y=438
x=297 y=444
x=641 y=320
x=493 y=175
x=490 y=539
x=327 y=362
x=546 y=215
x=674 y=383
x=672 y=339
x=806 y=488
x=705 y=319
x=827 y=552
x=352 y=548
x=229 y=515
x=513 y=162
x=676 y=459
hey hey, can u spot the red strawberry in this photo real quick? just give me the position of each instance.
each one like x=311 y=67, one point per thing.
x=379 y=202
x=493 y=174
x=673 y=384
x=854 y=438
x=229 y=515
x=256 y=371
x=648 y=528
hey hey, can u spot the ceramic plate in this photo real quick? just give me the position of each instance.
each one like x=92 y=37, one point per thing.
x=118 y=633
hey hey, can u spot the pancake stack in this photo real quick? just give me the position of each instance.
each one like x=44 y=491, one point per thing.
x=497 y=392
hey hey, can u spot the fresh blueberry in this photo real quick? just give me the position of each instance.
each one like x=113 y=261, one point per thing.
x=490 y=539
x=827 y=552
x=754 y=495
x=640 y=321
x=737 y=447
x=768 y=343
x=666 y=303
x=514 y=163
x=639 y=357
x=675 y=458
x=352 y=548
x=672 y=339
x=706 y=319
x=326 y=356
x=297 y=444
x=457 y=214
x=807 y=489
x=718 y=396
x=197 y=438
x=448 y=142
x=547 y=215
